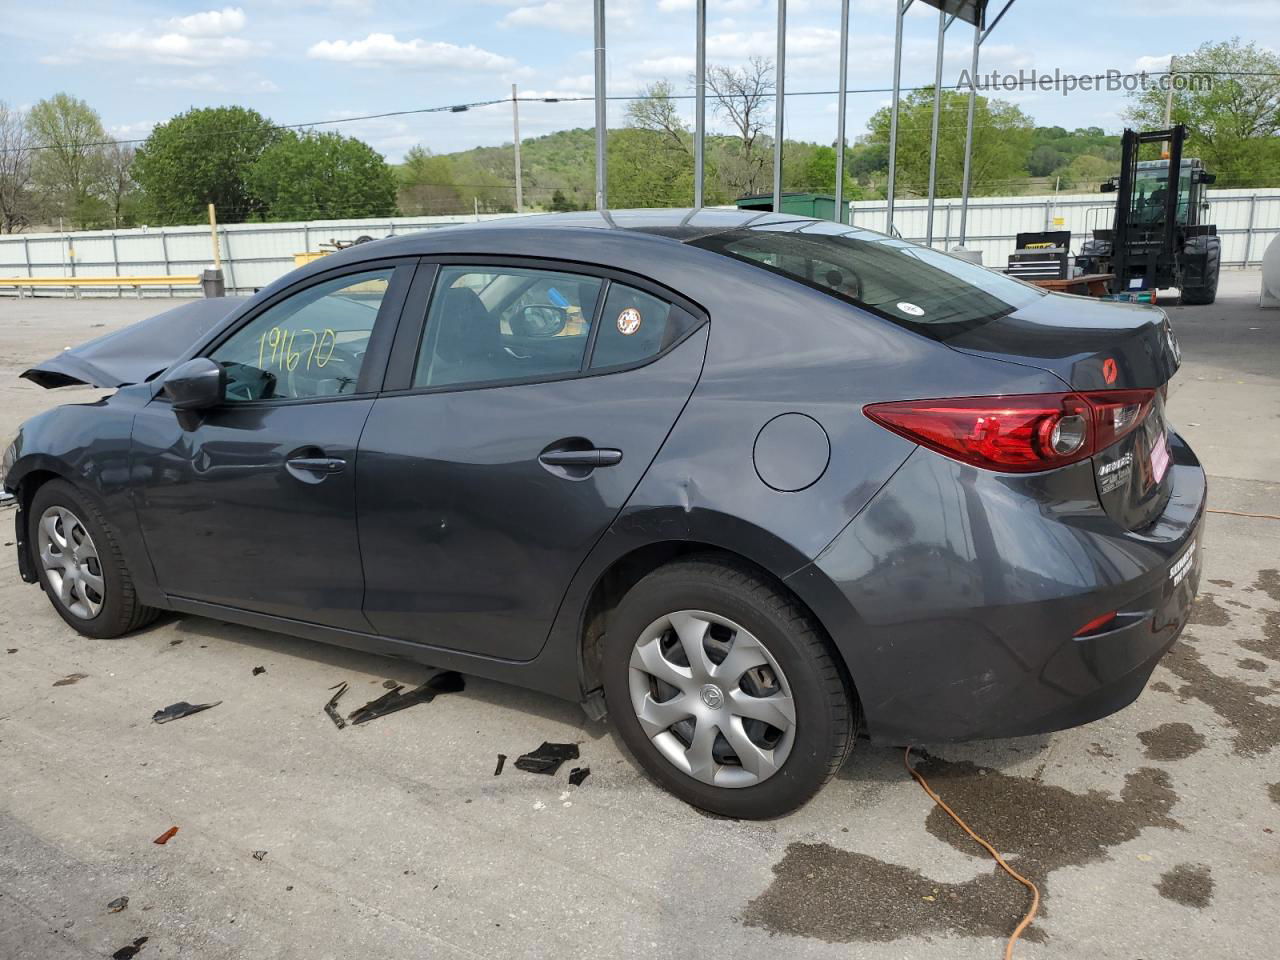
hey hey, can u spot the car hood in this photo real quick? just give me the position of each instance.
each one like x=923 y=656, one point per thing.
x=139 y=351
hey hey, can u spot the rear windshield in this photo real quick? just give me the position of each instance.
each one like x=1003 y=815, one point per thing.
x=937 y=294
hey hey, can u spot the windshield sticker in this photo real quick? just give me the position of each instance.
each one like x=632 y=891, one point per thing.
x=1115 y=474
x=629 y=321
x=910 y=309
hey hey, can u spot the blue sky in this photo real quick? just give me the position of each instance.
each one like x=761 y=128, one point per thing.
x=140 y=61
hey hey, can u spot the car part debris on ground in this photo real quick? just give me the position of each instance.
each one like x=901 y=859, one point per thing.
x=502 y=759
x=331 y=708
x=547 y=758
x=166 y=836
x=131 y=951
x=118 y=904
x=176 y=711
x=259 y=854
x=578 y=774
x=258 y=670
x=69 y=679
x=445 y=681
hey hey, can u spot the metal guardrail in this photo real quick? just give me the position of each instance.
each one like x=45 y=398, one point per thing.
x=75 y=283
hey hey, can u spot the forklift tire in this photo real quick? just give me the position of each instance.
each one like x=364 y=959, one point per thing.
x=1207 y=292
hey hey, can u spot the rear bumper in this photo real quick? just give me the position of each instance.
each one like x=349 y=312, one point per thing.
x=955 y=597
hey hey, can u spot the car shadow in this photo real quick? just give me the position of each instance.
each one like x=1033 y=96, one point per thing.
x=404 y=671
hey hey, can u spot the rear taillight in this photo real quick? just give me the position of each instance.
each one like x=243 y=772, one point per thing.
x=1018 y=434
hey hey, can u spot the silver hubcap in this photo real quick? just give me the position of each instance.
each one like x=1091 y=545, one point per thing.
x=712 y=699
x=71 y=562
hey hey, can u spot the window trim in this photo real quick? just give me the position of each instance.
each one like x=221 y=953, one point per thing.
x=385 y=325
x=413 y=326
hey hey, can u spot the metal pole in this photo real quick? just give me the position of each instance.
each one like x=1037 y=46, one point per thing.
x=1168 y=97
x=842 y=212
x=779 y=106
x=900 y=7
x=968 y=132
x=515 y=123
x=700 y=105
x=933 y=136
x=602 y=118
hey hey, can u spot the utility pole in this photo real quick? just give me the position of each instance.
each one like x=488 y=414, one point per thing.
x=700 y=108
x=602 y=113
x=1168 y=95
x=515 y=123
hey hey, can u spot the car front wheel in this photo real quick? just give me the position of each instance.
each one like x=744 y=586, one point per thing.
x=726 y=690
x=80 y=565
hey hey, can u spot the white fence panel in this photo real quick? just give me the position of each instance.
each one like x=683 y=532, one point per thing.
x=255 y=254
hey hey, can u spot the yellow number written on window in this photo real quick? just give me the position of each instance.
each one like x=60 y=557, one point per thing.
x=276 y=348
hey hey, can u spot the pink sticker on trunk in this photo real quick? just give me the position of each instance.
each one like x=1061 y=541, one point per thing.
x=1160 y=457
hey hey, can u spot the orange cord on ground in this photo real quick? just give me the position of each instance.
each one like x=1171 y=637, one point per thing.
x=1035 y=892
x=1236 y=513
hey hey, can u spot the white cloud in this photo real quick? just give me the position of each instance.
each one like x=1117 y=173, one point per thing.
x=383 y=49
x=210 y=23
x=553 y=15
x=210 y=83
x=674 y=67
x=1151 y=64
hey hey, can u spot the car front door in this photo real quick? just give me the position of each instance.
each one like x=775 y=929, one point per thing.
x=251 y=504
x=514 y=428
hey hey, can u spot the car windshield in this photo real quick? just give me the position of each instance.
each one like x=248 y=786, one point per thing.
x=908 y=284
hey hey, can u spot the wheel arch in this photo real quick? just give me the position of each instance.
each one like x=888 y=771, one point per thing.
x=628 y=568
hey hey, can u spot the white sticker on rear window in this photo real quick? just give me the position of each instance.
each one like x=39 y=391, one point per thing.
x=911 y=309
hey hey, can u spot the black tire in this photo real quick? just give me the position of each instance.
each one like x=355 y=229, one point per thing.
x=120 y=612
x=1206 y=291
x=825 y=707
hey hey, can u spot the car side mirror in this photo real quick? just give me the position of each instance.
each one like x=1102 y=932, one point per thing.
x=1107 y=186
x=196 y=385
x=539 y=321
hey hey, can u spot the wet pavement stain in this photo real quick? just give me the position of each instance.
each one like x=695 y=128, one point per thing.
x=1206 y=613
x=1171 y=741
x=1273 y=791
x=1251 y=710
x=839 y=896
x=1222 y=583
x=1268 y=581
x=1238 y=603
x=1189 y=884
x=1268 y=645
x=1248 y=663
x=1162 y=687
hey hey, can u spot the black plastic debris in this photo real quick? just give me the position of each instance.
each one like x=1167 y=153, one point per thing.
x=259 y=854
x=389 y=684
x=69 y=679
x=547 y=758
x=11 y=650
x=176 y=711
x=502 y=759
x=578 y=774
x=393 y=700
x=258 y=670
x=118 y=904
x=331 y=708
x=131 y=951
x=174 y=643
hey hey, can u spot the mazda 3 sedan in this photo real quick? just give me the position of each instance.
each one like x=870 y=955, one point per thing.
x=749 y=484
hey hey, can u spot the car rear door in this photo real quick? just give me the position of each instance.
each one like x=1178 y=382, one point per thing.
x=251 y=504
x=515 y=423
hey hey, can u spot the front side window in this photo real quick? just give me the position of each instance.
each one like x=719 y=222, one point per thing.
x=491 y=324
x=912 y=285
x=309 y=345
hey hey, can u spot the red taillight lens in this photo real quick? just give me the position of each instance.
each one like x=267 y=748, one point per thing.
x=1017 y=434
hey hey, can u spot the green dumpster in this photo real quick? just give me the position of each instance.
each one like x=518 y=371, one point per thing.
x=820 y=205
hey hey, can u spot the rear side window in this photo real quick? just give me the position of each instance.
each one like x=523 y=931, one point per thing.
x=636 y=326
x=492 y=324
x=911 y=285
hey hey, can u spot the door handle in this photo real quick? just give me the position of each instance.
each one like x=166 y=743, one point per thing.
x=314 y=469
x=581 y=458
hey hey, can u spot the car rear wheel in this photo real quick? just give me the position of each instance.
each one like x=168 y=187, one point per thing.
x=726 y=690
x=80 y=565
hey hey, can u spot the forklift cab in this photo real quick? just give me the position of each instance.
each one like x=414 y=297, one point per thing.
x=1151 y=188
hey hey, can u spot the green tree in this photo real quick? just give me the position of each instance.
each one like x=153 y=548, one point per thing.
x=201 y=157
x=308 y=175
x=559 y=203
x=68 y=164
x=644 y=172
x=1232 y=113
x=427 y=185
x=16 y=200
x=1001 y=141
